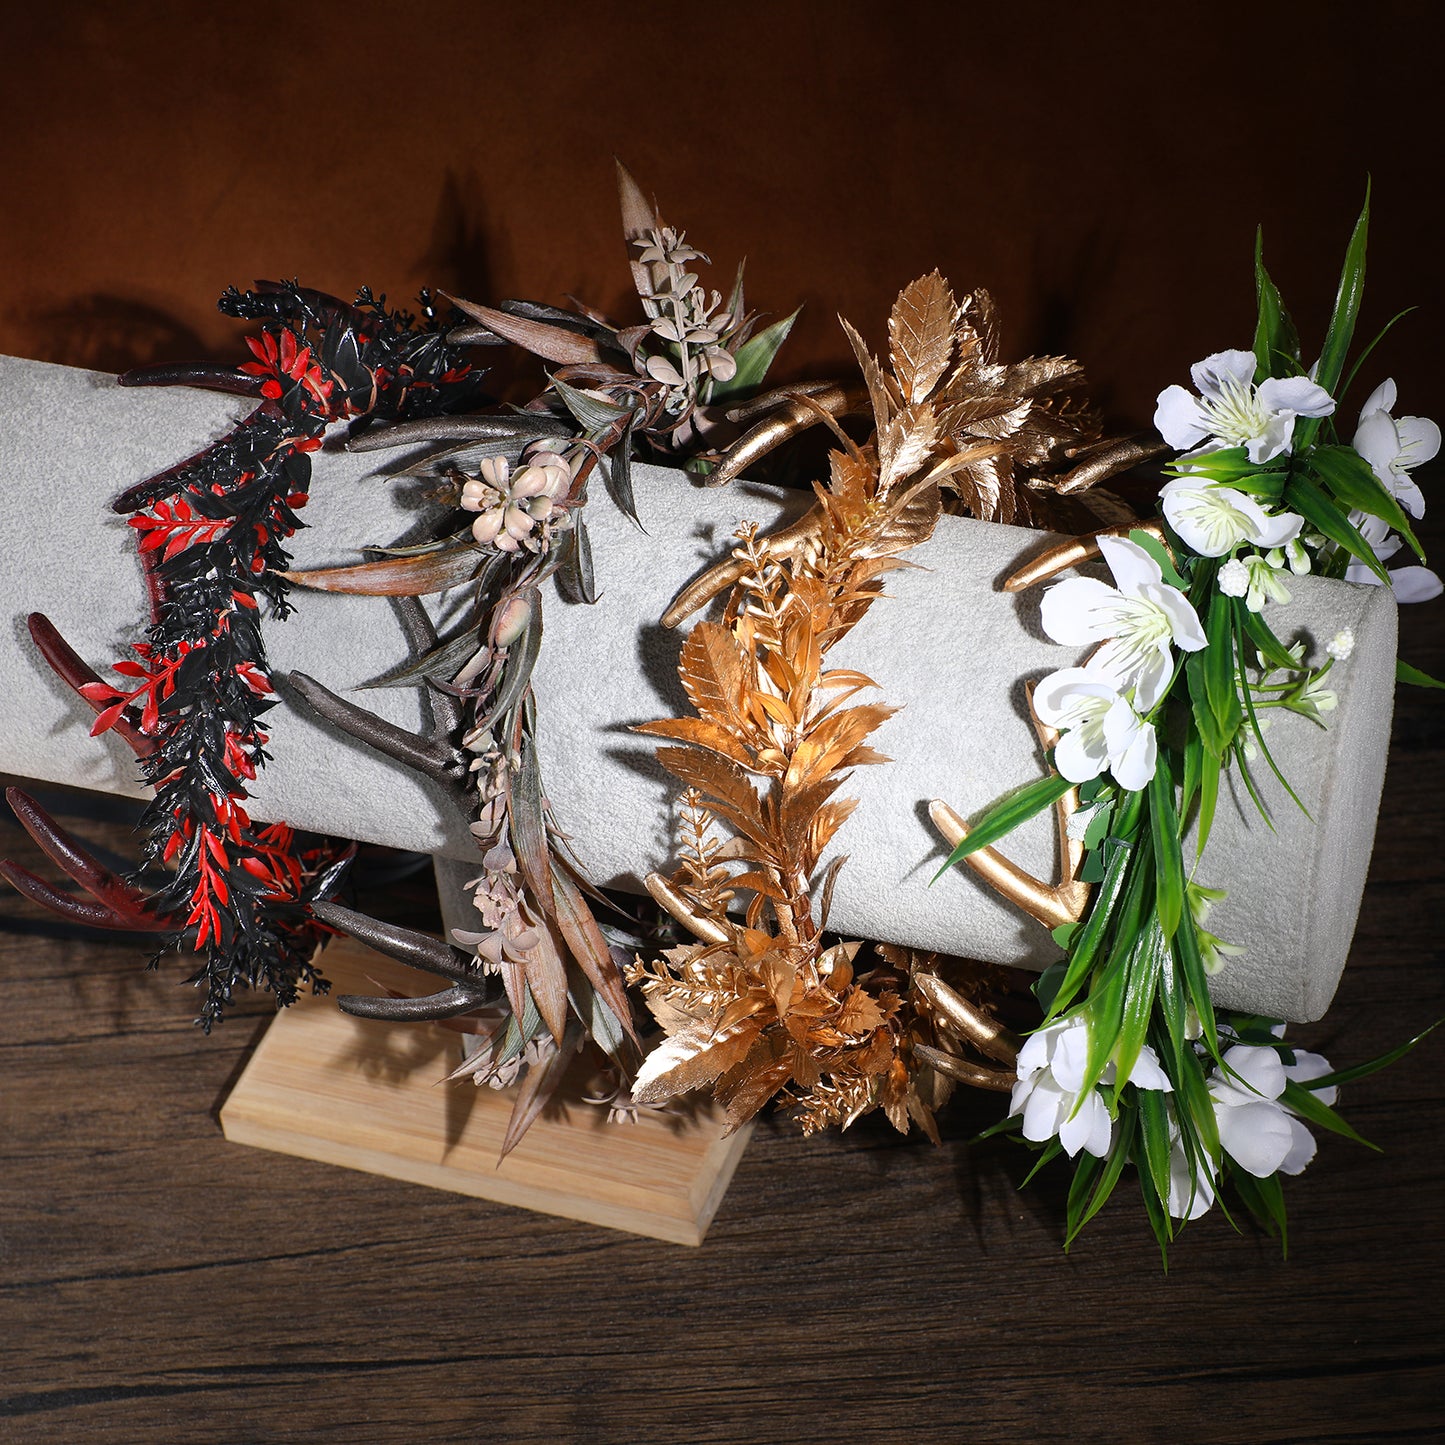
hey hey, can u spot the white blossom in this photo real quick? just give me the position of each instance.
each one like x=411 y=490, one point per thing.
x=1341 y=645
x=1265 y=584
x=1395 y=446
x=1048 y=1094
x=1100 y=728
x=1230 y=411
x=1213 y=520
x=1137 y=621
x=1410 y=584
x=1233 y=578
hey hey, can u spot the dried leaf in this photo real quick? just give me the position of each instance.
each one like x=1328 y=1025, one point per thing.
x=551 y=343
x=396 y=576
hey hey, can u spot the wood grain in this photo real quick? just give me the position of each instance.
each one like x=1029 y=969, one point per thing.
x=157 y=1283
x=366 y=1095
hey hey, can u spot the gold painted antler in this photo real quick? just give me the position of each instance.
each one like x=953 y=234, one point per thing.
x=1068 y=554
x=1053 y=905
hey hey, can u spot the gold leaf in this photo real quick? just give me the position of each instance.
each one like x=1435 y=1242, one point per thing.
x=908 y=521
x=701 y=734
x=713 y=671
x=689 y=1059
x=878 y=390
x=825 y=823
x=721 y=781
x=905 y=443
x=859 y=1014
x=920 y=335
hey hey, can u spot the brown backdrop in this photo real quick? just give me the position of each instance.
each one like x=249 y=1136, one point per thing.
x=1101 y=169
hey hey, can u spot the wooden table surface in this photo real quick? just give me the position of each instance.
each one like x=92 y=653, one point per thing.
x=158 y=1284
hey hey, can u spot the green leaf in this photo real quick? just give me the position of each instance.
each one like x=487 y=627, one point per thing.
x=1002 y=819
x=1154 y=1135
x=1262 y=635
x=1120 y=881
x=1265 y=1200
x=1405 y=673
x=1259 y=736
x=1222 y=466
x=1364 y=355
x=1354 y=484
x=1269 y=485
x=1086 y=1170
x=1139 y=994
x=1098 y=827
x=1196 y=981
x=1156 y=549
x=1325 y=517
x=1274 y=333
x=1113 y=1168
x=1309 y=1105
x=1168 y=860
x=753 y=358
x=1372 y=1066
x=1208 y=800
x=1159 y=1220
x=1341 y=330
x=1105 y=1012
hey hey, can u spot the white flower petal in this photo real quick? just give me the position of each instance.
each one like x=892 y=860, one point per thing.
x=1045 y=1110
x=1256 y=1136
x=1378 y=442
x=1132 y=566
x=1184 y=624
x=1408 y=494
x=1071 y=1056
x=1089 y=1128
x=1211 y=374
x=1034 y=1055
x=1309 y=1066
x=1277 y=530
x=1133 y=770
x=1274 y=439
x=1058 y=696
x=1147 y=1074
x=1301 y=1150
x=1296 y=394
x=1381 y=399
x=1178 y=420
x=1415 y=584
x=1079 y=610
x=1419 y=440
x=1080 y=755
x=1188 y=1199
x=1255 y=1069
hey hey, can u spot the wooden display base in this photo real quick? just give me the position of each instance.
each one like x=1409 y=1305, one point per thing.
x=366 y=1095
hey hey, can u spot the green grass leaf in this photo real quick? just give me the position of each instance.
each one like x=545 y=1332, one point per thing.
x=1371 y=1066
x=1405 y=673
x=1156 y=549
x=753 y=358
x=1341 y=329
x=1124 y=1130
x=1154 y=1137
x=1168 y=860
x=1139 y=995
x=1274 y=332
x=1119 y=891
x=1265 y=1200
x=1353 y=483
x=1322 y=514
x=1004 y=817
x=1262 y=635
x=1309 y=1105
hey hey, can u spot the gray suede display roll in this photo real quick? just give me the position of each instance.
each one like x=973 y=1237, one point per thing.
x=947 y=644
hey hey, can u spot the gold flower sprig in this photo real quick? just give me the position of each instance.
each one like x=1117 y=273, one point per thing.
x=763 y=1003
